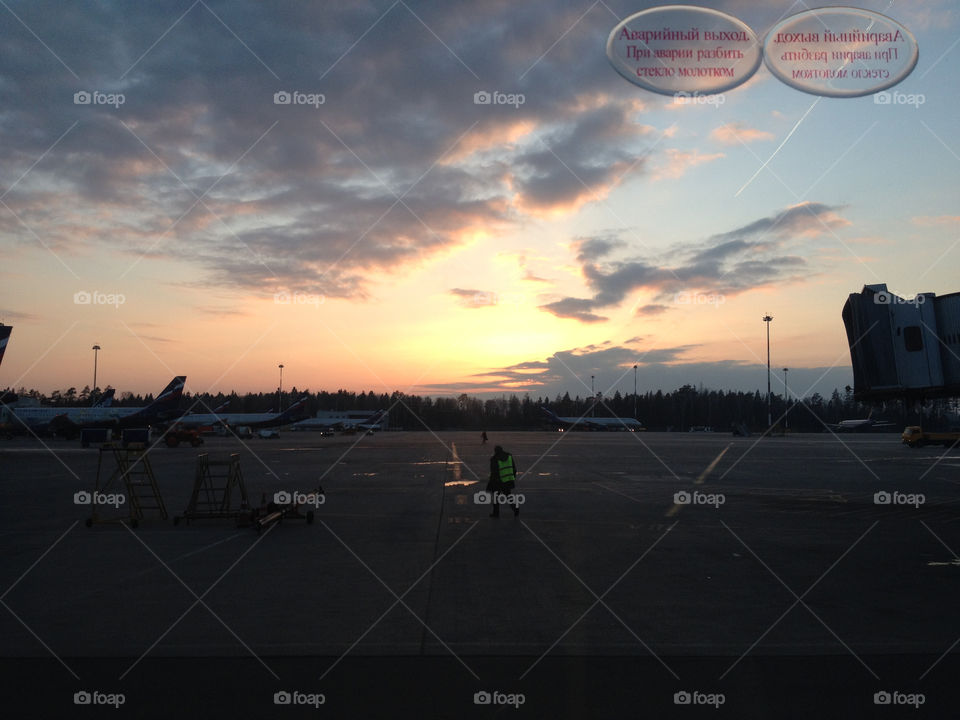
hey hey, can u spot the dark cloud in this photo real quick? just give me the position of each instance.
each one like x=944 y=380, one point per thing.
x=199 y=165
x=666 y=369
x=652 y=309
x=728 y=263
x=8 y=317
x=575 y=308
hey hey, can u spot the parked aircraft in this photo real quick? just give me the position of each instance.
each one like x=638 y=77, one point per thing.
x=250 y=420
x=594 y=423
x=370 y=423
x=71 y=420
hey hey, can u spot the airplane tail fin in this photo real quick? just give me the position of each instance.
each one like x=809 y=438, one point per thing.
x=5 y=331
x=294 y=410
x=105 y=400
x=169 y=398
x=549 y=413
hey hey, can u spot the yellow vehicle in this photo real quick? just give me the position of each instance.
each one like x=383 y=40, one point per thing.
x=914 y=436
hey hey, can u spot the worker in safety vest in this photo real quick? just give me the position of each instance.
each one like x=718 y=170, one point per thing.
x=503 y=477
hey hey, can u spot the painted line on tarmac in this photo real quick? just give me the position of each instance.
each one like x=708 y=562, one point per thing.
x=675 y=508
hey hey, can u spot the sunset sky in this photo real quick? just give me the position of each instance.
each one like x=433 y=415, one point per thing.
x=399 y=236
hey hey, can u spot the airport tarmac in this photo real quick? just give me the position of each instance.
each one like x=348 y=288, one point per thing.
x=790 y=576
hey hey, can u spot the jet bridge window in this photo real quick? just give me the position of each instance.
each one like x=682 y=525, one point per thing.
x=913 y=338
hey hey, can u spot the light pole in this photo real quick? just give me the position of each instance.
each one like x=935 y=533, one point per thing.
x=786 y=393
x=634 y=392
x=768 y=319
x=593 y=399
x=96 y=350
x=280 y=390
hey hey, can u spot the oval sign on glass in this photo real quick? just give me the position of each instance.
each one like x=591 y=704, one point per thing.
x=684 y=49
x=840 y=51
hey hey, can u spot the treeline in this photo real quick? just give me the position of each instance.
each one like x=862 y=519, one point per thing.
x=679 y=410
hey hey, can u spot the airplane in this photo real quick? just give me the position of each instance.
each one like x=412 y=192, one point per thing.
x=594 y=423
x=370 y=423
x=861 y=425
x=251 y=420
x=70 y=421
x=5 y=331
x=218 y=409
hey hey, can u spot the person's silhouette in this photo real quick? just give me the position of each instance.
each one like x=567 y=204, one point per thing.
x=503 y=477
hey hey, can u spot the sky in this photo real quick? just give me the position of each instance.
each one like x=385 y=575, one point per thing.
x=383 y=231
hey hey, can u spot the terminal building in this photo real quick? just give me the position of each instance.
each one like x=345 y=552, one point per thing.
x=903 y=348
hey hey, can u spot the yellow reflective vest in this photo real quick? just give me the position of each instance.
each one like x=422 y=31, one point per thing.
x=505 y=468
